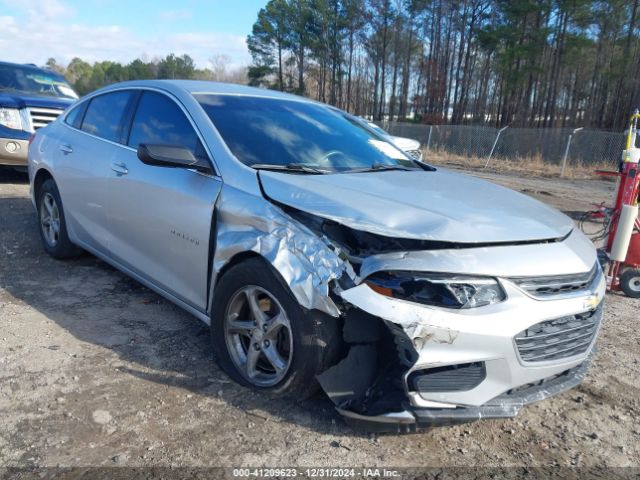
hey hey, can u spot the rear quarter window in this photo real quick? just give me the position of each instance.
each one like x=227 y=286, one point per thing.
x=75 y=115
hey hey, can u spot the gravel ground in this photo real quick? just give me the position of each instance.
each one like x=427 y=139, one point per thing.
x=97 y=370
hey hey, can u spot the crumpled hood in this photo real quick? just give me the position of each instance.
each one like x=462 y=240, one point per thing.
x=17 y=100
x=440 y=205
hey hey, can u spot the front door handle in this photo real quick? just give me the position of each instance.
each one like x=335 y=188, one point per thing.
x=66 y=148
x=119 y=168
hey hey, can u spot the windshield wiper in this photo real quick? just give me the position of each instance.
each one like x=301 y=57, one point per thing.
x=290 y=167
x=379 y=167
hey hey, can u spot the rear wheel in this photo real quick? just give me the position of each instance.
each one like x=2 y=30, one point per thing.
x=53 y=229
x=630 y=282
x=263 y=338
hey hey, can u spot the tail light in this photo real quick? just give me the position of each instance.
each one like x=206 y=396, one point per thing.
x=32 y=138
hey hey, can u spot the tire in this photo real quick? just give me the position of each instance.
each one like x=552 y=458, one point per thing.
x=306 y=342
x=630 y=282
x=51 y=219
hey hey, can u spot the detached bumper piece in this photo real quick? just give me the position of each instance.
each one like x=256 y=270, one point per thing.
x=506 y=405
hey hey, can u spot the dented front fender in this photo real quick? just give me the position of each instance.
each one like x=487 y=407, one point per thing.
x=246 y=223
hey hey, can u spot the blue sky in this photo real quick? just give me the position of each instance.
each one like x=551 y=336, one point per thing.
x=34 y=30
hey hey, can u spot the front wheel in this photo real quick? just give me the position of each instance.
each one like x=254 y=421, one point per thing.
x=630 y=282
x=262 y=337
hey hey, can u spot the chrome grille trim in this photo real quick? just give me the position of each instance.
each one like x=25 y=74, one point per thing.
x=560 y=338
x=551 y=287
x=41 y=117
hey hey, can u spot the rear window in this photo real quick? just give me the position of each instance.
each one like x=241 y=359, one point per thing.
x=105 y=115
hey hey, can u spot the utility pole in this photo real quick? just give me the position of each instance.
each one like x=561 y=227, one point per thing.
x=566 y=150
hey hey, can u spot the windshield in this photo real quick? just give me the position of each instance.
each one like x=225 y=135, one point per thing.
x=34 y=81
x=377 y=129
x=266 y=131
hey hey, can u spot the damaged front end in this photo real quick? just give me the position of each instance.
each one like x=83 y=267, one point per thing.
x=433 y=332
x=472 y=346
x=369 y=379
x=407 y=374
x=411 y=366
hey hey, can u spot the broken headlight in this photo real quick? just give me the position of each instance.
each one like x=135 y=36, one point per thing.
x=438 y=289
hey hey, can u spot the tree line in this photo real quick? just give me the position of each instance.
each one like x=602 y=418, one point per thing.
x=535 y=63
x=86 y=77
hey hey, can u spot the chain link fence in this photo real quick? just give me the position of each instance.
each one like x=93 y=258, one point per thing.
x=557 y=146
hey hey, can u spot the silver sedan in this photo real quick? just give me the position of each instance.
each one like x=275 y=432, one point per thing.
x=320 y=253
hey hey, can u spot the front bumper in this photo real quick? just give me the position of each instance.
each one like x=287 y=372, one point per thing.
x=14 y=146
x=506 y=405
x=483 y=336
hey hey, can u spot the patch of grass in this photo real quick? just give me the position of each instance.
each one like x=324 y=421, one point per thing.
x=533 y=166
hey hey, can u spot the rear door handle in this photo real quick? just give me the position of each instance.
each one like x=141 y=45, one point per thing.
x=119 y=168
x=66 y=148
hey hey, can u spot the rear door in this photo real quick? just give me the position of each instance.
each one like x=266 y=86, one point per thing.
x=89 y=139
x=161 y=218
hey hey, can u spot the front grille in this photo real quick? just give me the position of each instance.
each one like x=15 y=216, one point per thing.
x=560 y=338
x=41 y=117
x=452 y=378
x=417 y=154
x=552 y=286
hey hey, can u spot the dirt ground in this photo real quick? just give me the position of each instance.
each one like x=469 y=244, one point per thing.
x=97 y=370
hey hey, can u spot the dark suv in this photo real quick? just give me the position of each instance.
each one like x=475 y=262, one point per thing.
x=30 y=98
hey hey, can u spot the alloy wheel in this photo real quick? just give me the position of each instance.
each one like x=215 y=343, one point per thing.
x=50 y=219
x=258 y=336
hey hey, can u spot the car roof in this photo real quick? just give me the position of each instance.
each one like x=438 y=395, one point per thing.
x=205 y=87
x=31 y=66
x=34 y=68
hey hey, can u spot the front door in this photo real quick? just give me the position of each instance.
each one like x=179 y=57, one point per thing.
x=161 y=218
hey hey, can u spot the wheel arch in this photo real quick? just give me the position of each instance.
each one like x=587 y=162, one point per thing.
x=41 y=176
x=237 y=259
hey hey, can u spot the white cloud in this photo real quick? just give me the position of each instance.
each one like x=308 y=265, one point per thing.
x=174 y=15
x=40 y=9
x=30 y=36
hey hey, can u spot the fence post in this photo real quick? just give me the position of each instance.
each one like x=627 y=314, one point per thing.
x=429 y=137
x=566 y=150
x=494 y=145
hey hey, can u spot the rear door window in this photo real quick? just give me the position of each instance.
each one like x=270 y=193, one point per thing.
x=159 y=121
x=105 y=115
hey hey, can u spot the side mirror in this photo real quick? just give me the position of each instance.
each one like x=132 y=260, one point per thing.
x=170 y=156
